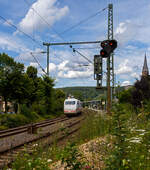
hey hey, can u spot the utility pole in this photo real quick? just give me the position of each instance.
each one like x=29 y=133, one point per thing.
x=47 y=57
x=110 y=61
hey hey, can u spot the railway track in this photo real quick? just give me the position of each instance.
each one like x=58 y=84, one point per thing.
x=21 y=129
x=51 y=128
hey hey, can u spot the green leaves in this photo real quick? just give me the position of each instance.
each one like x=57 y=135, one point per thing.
x=70 y=156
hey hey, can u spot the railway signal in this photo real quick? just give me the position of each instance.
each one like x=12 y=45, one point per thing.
x=98 y=70
x=108 y=46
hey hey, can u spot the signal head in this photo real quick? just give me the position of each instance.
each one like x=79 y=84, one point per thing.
x=113 y=44
x=103 y=54
x=103 y=44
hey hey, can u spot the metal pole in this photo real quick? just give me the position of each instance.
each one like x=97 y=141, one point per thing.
x=47 y=57
x=73 y=43
x=110 y=62
x=48 y=60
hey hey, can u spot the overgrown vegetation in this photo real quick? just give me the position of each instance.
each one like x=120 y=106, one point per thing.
x=125 y=134
x=32 y=98
x=130 y=129
x=69 y=155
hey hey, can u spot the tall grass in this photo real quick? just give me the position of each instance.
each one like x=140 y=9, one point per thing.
x=95 y=125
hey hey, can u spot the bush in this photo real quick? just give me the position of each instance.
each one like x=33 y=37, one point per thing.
x=15 y=120
x=39 y=109
x=71 y=157
x=26 y=161
x=26 y=111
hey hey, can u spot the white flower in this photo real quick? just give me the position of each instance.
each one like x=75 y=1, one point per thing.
x=49 y=160
x=35 y=144
x=140 y=130
x=135 y=140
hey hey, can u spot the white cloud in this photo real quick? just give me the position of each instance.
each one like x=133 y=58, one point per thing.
x=121 y=28
x=52 y=67
x=62 y=66
x=126 y=31
x=47 y=9
x=7 y=42
x=75 y=74
x=124 y=68
x=125 y=83
x=34 y=64
x=135 y=75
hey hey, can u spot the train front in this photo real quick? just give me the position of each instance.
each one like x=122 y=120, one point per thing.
x=70 y=106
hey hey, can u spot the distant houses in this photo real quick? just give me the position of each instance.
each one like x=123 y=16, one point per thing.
x=2 y=106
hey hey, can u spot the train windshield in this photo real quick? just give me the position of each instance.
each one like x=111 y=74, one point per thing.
x=70 y=103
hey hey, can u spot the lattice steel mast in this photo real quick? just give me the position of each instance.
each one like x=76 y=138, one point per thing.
x=110 y=61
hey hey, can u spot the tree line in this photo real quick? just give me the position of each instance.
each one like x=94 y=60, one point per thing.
x=26 y=90
x=138 y=95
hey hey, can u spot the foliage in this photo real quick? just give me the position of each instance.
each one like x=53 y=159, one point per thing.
x=71 y=157
x=118 y=156
x=125 y=96
x=59 y=101
x=26 y=161
x=141 y=91
x=94 y=125
x=13 y=120
x=47 y=89
x=130 y=136
x=31 y=96
x=82 y=93
x=32 y=72
x=9 y=69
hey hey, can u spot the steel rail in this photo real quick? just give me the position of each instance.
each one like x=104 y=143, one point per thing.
x=18 y=130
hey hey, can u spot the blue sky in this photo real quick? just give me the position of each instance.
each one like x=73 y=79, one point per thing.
x=131 y=30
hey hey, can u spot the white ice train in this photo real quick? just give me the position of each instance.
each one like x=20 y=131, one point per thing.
x=72 y=106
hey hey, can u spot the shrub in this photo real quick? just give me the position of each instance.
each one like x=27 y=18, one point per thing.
x=26 y=111
x=15 y=120
x=71 y=157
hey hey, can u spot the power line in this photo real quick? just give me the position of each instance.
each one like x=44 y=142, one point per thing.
x=49 y=24
x=59 y=35
x=84 y=20
x=38 y=62
x=74 y=50
x=27 y=35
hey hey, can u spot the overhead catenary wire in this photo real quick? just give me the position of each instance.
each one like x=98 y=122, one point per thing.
x=74 y=50
x=27 y=35
x=59 y=34
x=38 y=62
x=83 y=21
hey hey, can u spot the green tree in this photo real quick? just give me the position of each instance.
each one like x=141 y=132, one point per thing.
x=125 y=96
x=59 y=97
x=8 y=67
x=46 y=90
x=141 y=91
x=32 y=72
x=22 y=88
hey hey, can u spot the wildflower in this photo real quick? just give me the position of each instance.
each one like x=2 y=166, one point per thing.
x=35 y=144
x=49 y=160
x=87 y=167
x=140 y=130
x=135 y=140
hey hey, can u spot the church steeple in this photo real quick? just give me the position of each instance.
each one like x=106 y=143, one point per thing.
x=145 y=71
